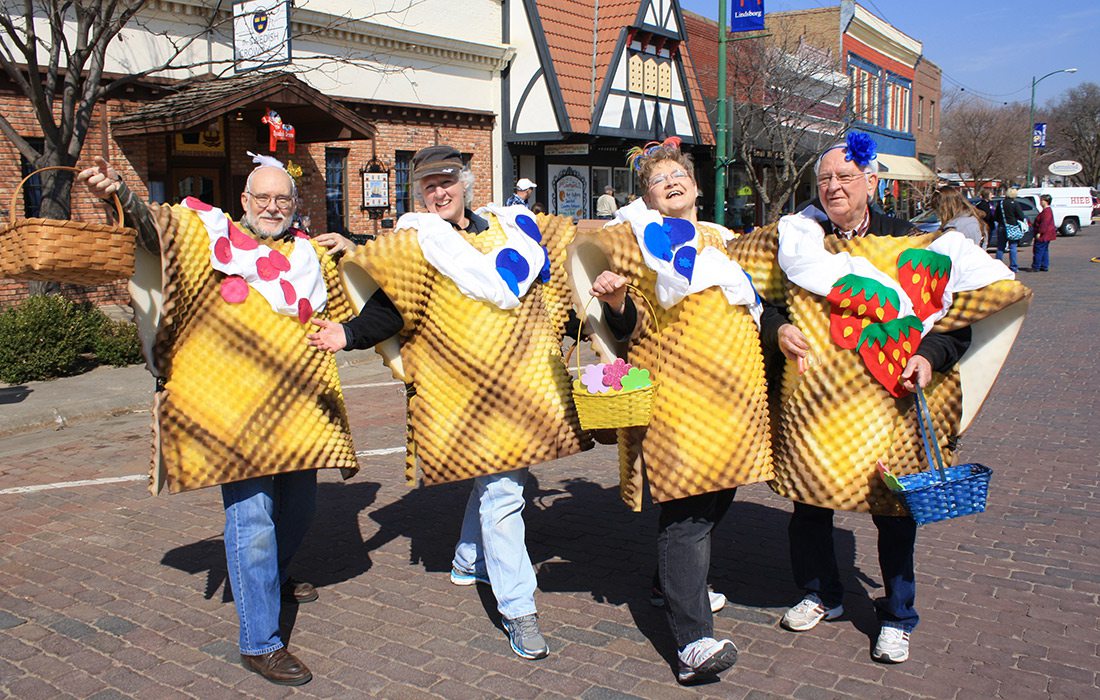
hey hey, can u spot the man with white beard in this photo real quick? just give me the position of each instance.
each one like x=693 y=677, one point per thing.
x=238 y=299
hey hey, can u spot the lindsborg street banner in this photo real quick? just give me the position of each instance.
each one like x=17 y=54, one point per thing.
x=746 y=15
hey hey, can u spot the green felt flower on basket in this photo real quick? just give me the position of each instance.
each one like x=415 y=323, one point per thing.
x=636 y=379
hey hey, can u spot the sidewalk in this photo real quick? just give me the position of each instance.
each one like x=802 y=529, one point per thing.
x=112 y=391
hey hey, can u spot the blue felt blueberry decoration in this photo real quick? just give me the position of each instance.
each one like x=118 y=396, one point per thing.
x=510 y=259
x=509 y=279
x=657 y=241
x=680 y=231
x=684 y=262
x=544 y=274
x=528 y=226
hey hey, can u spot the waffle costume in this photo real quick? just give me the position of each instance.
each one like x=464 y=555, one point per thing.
x=480 y=346
x=864 y=305
x=709 y=428
x=223 y=319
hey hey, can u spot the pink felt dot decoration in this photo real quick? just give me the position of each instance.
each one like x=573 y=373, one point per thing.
x=223 y=251
x=196 y=204
x=241 y=239
x=279 y=261
x=265 y=270
x=614 y=372
x=289 y=292
x=234 y=289
x=305 y=310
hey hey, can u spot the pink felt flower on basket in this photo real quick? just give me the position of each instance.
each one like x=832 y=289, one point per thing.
x=613 y=373
x=592 y=379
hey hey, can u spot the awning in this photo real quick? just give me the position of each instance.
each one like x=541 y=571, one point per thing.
x=903 y=168
x=316 y=116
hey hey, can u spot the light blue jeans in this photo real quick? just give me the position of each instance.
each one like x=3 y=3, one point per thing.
x=265 y=521
x=492 y=541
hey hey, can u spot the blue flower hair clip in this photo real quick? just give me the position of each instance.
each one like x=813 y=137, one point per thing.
x=861 y=148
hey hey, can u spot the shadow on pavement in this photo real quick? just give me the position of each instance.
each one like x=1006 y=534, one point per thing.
x=14 y=394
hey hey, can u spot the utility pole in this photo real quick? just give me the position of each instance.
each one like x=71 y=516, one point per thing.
x=720 y=140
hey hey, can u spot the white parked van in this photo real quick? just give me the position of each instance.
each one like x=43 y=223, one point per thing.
x=1071 y=206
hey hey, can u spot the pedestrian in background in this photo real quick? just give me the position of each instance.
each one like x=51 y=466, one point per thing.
x=958 y=214
x=522 y=193
x=606 y=205
x=989 y=212
x=1009 y=214
x=1045 y=232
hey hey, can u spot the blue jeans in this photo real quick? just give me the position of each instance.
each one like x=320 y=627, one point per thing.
x=813 y=562
x=492 y=541
x=265 y=521
x=1002 y=243
x=1040 y=255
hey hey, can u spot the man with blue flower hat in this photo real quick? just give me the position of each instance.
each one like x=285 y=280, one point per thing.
x=479 y=322
x=865 y=309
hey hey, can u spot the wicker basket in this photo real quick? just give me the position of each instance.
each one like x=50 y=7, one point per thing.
x=614 y=409
x=942 y=492
x=72 y=252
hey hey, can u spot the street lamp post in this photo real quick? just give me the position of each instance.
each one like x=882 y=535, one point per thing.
x=1031 y=119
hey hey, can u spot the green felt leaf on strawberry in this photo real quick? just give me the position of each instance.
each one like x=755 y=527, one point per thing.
x=924 y=275
x=854 y=303
x=886 y=349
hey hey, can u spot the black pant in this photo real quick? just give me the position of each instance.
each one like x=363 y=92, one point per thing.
x=683 y=561
x=813 y=562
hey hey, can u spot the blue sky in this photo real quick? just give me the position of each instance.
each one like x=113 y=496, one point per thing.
x=991 y=49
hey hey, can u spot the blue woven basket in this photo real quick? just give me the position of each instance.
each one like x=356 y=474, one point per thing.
x=942 y=492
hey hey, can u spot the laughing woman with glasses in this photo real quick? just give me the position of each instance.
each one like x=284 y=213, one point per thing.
x=708 y=433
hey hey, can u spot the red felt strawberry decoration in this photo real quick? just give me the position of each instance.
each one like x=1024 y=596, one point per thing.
x=923 y=275
x=855 y=302
x=886 y=349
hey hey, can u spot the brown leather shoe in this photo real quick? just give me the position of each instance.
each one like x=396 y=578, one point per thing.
x=299 y=591
x=280 y=667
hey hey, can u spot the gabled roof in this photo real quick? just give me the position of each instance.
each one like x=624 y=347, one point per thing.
x=315 y=116
x=567 y=25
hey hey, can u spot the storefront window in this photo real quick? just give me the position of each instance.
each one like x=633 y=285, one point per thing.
x=336 y=163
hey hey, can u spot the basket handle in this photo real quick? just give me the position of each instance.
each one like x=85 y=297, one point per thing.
x=15 y=194
x=928 y=434
x=584 y=317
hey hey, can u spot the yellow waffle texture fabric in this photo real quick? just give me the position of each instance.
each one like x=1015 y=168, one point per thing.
x=835 y=421
x=709 y=429
x=491 y=393
x=244 y=394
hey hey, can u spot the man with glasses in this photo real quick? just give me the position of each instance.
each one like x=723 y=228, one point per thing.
x=847 y=178
x=242 y=401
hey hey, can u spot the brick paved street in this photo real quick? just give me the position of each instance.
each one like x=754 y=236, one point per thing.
x=106 y=592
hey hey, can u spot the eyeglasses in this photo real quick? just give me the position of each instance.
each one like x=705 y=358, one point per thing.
x=282 y=201
x=842 y=179
x=663 y=178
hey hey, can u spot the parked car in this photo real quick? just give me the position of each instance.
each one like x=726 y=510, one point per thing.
x=929 y=220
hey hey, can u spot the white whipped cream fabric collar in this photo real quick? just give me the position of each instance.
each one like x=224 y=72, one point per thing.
x=807 y=264
x=503 y=275
x=670 y=248
x=293 y=286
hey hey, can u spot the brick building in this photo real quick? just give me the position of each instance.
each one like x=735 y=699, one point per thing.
x=441 y=80
x=882 y=64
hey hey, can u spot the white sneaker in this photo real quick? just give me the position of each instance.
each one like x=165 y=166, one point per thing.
x=892 y=646
x=808 y=613
x=705 y=658
x=717 y=600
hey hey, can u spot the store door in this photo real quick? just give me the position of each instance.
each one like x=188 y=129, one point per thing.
x=201 y=183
